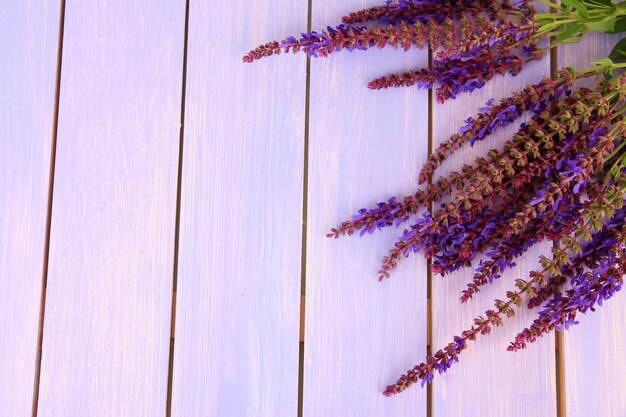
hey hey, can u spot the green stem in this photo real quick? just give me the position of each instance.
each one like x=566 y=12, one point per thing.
x=564 y=21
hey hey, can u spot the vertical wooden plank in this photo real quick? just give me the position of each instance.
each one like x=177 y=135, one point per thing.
x=29 y=33
x=594 y=350
x=238 y=290
x=488 y=380
x=365 y=146
x=107 y=319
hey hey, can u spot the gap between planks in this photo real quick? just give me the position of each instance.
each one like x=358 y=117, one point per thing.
x=305 y=202
x=429 y=274
x=46 y=250
x=181 y=147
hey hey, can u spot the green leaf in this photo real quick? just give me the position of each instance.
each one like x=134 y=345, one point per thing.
x=605 y=24
x=577 y=5
x=607 y=21
x=618 y=54
x=548 y=27
x=571 y=34
x=620 y=25
x=606 y=64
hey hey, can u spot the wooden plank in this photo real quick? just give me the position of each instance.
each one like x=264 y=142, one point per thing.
x=488 y=380
x=29 y=33
x=365 y=146
x=594 y=350
x=238 y=291
x=107 y=319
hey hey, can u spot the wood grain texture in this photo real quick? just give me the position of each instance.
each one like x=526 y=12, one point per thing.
x=107 y=319
x=28 y=61
x=238 y=291
x=365 y=146
x=595 y=349
x=488 y=380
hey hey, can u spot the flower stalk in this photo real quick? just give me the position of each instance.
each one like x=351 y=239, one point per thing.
x=472 y=40
x=548 y=182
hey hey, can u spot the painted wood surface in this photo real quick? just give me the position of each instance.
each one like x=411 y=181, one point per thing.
x=364 y=147
x=107 y=318
x=28 y=62
x=112 y=245
x=488 y=380
x=595 y=349
x=238 y=288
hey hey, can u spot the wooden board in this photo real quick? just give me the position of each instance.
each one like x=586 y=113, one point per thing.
x=107 y=318
x=488 y=380
x=29 y=33
x=365 y=146
x=238 y=291
x=594 y=350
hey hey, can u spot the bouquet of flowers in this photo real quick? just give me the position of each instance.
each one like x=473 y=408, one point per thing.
x=561 y=177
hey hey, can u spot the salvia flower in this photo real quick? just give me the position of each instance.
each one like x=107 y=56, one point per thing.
x=472 y=40
x=547 y=182
x=560 y=178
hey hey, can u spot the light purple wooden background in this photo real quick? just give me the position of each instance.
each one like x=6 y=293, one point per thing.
x=203 y=187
